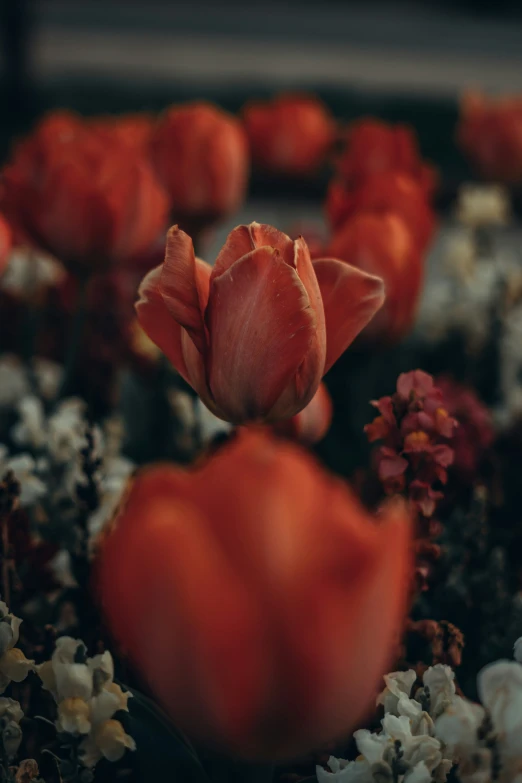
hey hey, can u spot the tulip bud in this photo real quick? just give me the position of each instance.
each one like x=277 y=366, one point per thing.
x=255 y=333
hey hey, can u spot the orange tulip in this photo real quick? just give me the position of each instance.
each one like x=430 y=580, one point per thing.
x=255 y=334
x=375 y=147
x=490 y=133
x=290 y=135
x=313 y=422
x=382 y=244
x=384 y=192
x=6 y=243
x=131 y=130
x=81 y=196
x=201 y=156
x=257 y=598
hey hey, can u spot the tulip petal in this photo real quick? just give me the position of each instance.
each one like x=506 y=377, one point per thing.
x=261 y=327
x=350 y=298
x=184 y=286
x=157 y=322
x=243 y=239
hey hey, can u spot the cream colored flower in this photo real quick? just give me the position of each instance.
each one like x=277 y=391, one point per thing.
x=74 y=716
x=397 y=684
x=342 y=771
x=107 y=740
x=439 y=684
x=10 y=709
x=458 y=726
x=14 y=666
x=500 y=690
x=483 y=205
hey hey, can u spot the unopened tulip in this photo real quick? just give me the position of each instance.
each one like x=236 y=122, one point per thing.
x=255 y=334
x=374 y=147
x=313 y=422
x=382 y=244
x=81 y=195
x=257 y=598
x=290 y=135
x=490 y=134
x=389 y=191
x=201 y=156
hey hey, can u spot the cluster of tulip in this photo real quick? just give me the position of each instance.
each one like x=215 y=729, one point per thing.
x=252 y=592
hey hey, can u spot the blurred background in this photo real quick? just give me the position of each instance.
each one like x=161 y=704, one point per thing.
x=400 y=60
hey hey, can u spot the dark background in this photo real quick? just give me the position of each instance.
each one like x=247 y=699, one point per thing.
x=399 y=60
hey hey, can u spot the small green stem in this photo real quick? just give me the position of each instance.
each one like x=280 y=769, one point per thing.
x=73 y=347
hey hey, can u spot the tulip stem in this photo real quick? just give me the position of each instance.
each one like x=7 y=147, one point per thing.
x=73 y=347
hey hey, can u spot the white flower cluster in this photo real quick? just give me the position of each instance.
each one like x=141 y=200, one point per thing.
x=483 y=205
x=14 y=666
x=87 y=700
x=50 y=462
x=406 y=749
x=423 y=737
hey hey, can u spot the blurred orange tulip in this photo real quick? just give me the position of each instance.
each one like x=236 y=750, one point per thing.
x=258 y=599
x=81 y=196
x=313 y=422
x=490 y=133
x=131 y=130
x=254 y=334
x=384 y=192
x=382 y=244
x=290 y=135
x=6 y=243
x=374 y=147
x=201 y=157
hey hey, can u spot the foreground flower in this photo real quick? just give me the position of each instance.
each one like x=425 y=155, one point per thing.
x=290 y=135
x=255 y=334
x=415 y=428
x=268 y=601
x=490 y=133
x=201 y=156
x=383 y=245
x=374 y=147
x=389 y=191
x=81 y=196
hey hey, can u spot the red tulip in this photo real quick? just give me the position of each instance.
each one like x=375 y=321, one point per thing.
x=201 y=156
x=6 y=243
x=258 y=599
x=131 y=130
x=375 y=147
x=255 y=334
x=290 y=135
x=384 y=192
x=313 y=422
x=81 y=196
x=382 y=244
x=490 y=133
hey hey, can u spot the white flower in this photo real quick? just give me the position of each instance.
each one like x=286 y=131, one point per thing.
x=9 y=708
x=49 y=377
x=460 y=255
x=66 y=430
x=14 y=666
x=517 y=650
x=32 y=488
x=14 y=383
x=419 y=774
x=28 y=271
x=500 y=690
x=458 y=726
x=11 y=738
x=342 y=771
x=421 y=748
x=115 y=475
x=108 y=740
x=74 y=716
x=397 y=684
x=483 y=205
x=439 y=680
x=31 y=429
x=371 y=746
